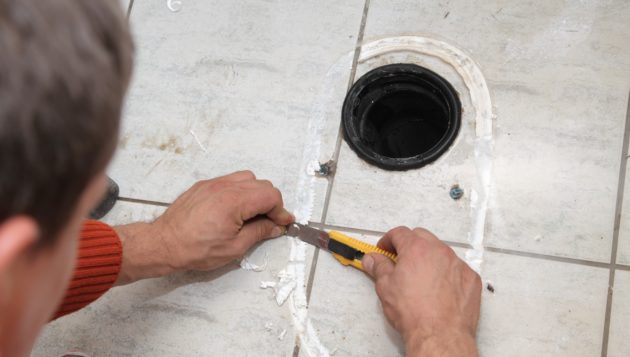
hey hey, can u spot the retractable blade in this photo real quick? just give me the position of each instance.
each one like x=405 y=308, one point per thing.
x=309 y=235
x=347 y=250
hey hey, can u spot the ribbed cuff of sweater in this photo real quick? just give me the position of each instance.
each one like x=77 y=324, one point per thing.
x=98 y=265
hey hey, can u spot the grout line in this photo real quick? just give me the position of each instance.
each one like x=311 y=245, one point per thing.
x=622 y=267
x=146 y=202
x=375 y=233
x=353 y=71
x=458 y=244
x=344 y=228
x=129 y=9
x=335 y=158
x=311 y=275
x=359 y=43
x=619 y=206
x=554 y=258
x=540 y=256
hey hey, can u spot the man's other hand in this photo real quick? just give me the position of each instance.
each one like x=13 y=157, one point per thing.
x=429 y=295
x=213 y=223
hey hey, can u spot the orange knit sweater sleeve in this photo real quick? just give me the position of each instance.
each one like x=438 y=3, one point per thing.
x=97 y=268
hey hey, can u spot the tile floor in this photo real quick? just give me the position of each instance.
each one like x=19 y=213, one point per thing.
x=222 y=86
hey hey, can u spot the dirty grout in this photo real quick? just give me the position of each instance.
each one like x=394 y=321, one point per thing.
x=129 y=9
x=146 y=202
x=335 y=158
x=615 y=243
x=375 y=233
x=353 y=71
x=488 y=248
x=548 y=257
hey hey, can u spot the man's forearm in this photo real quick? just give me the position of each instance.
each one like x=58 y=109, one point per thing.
x=144 y=254
x=447 y=345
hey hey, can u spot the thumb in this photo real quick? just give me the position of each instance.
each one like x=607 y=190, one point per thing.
x=377 y=265
x=260 y=229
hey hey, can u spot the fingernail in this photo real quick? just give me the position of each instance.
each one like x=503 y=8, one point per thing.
x=368 y=263
x=277 y=231
x=289 y=216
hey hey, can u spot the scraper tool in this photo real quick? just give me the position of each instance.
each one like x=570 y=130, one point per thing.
x=347 y=250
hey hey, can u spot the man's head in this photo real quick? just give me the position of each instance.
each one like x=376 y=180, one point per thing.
x=64 y=70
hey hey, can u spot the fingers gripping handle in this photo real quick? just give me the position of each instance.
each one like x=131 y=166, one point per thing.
x=363 y=247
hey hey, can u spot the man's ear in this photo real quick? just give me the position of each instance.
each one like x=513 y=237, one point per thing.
x=17 y=235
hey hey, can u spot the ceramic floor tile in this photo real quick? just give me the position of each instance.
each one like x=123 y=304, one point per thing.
x=538 y=308
x=224 y=312
x=623 y=248
x=619 y=336
x=555 y=189
x=559 y=100
x=218 y=89
x=541 y=308
x=346 y=312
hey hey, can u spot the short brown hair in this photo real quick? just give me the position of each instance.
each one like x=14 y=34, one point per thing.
x=64 y=70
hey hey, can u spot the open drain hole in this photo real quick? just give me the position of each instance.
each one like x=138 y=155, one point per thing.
x=401 y=116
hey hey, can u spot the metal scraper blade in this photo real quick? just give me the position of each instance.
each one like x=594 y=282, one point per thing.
x=309 y=235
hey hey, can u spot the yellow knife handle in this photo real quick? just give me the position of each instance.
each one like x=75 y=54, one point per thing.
x=363 y=247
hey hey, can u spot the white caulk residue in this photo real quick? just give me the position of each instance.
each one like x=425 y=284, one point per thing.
x=291 y=286
x=483 y=162
x=282 y=288
x=174 y=5
x=248 y=264
x=267 y=284
x=469 y=71
x=282 y=334
x=312 y=167
x=292 y=278
x=201 y=145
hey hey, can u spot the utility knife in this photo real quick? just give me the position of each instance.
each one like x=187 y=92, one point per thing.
x=347 y=250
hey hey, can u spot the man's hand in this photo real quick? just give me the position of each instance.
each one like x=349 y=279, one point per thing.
x=213 y=223
x=430 y=296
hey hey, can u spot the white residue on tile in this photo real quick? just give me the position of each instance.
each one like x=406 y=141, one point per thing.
x=282 y=288
x=293 y=277
x=201 y=145
x=312 y=167
x=267 y=284
x=247 y=264
x=285 y=286
x=269 y=326
x=174 y=5
x=479 y=208
x=282 y=334
x=470 y=73
x=303 y=202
